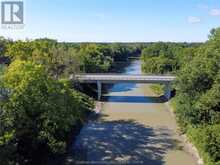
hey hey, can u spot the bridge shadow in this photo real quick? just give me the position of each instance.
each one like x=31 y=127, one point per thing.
x=120 y=87
x=123 y=140
x=134 y=99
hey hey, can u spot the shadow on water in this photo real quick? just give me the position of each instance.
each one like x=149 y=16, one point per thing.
x=133 y=99
x=121 y=87
x=122 y=140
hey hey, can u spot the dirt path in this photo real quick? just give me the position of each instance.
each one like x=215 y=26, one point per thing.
x=135 y=127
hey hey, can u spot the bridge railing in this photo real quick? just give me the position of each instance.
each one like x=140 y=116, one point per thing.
x=122 y=77
x=119 y=74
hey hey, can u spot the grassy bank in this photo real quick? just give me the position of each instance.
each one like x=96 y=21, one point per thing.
x=158 y=89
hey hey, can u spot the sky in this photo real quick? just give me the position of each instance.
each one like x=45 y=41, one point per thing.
x=118 y=20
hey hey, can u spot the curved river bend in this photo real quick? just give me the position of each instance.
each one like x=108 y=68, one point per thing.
x=135 y=127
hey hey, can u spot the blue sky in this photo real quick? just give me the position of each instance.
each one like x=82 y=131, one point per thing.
x=118 y=20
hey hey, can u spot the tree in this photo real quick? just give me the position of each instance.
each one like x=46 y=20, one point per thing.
x=163 y=57
x=39 y=113
x=197 y=83
x=93 y=59
x=20 y=50
x=4 y=43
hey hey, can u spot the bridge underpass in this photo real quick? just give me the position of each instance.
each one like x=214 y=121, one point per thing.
x=100 y=79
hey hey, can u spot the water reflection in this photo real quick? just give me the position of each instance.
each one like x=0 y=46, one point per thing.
x=133 y=68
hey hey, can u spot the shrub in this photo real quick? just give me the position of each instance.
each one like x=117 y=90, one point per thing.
x=158 y=89
x=207 y=141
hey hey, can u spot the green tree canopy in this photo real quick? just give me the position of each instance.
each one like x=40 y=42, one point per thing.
x=39 y=112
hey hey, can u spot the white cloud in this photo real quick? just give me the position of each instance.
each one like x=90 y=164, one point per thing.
x=214 y=12
x=193 y=20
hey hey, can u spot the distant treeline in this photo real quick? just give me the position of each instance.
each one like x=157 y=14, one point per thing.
x=197 y=103
x=61 y=59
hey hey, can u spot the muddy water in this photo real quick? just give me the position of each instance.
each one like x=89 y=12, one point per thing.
x=135 y=127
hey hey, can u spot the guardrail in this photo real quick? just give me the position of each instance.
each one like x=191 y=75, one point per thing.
x=122 y=78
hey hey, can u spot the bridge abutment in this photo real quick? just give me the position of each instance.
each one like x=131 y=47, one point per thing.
x=99 y=88
x=167 y=91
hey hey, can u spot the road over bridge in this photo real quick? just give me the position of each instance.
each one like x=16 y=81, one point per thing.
x=100 y=79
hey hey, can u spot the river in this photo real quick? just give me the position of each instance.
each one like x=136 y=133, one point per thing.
x=134 y=127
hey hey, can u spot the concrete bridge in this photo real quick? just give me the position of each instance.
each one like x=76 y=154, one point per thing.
x=100 y=79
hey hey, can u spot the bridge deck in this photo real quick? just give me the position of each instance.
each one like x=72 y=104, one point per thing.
x=112 y=78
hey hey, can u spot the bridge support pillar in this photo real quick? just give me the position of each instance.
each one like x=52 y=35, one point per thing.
x=168 y=91
x=99 y=86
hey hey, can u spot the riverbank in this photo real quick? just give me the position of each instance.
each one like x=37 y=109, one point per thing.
x=188 y=145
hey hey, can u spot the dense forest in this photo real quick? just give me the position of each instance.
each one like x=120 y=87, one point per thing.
x=165 y=58
x=39 y=107
x=197 y=100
